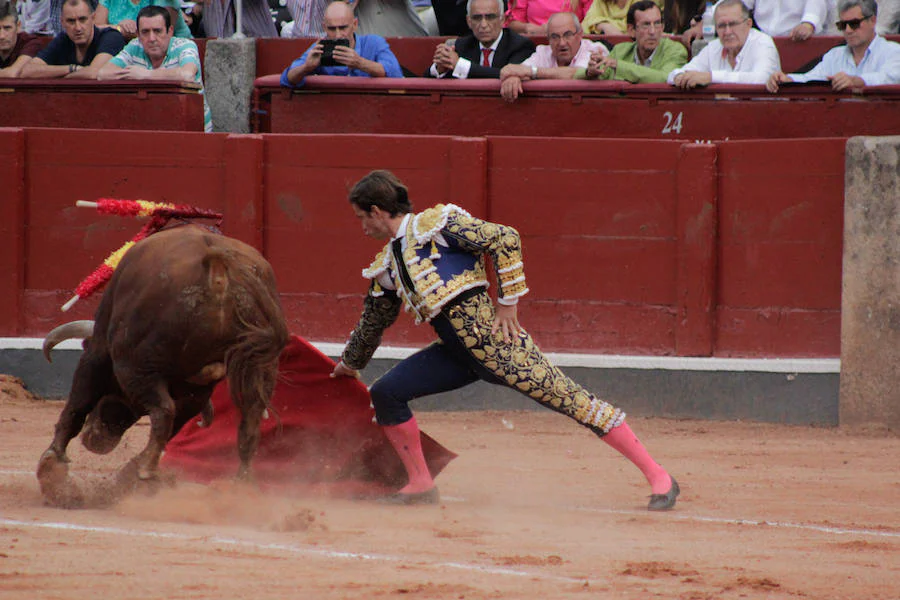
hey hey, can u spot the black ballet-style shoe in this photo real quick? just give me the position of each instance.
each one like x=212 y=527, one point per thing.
x=431 y=496
x=665 y=501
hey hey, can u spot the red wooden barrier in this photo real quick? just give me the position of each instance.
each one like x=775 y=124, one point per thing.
x=631 y=246
x=12 y=228
x=780 y=223
x=146 y=105
x=574 y=109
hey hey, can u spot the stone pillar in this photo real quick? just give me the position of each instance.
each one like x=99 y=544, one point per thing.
x=870 y=304
x=230 y=68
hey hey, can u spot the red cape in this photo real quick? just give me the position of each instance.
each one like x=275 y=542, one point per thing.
x=328 y=439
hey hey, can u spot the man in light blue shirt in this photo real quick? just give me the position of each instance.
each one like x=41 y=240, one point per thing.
x=365 y=56
x=867 y=59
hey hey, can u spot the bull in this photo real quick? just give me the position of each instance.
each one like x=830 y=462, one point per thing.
x=185 y=309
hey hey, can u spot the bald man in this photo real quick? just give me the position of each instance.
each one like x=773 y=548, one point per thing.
x=362 y=56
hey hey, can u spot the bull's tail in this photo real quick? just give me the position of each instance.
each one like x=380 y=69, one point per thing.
x=251 y=363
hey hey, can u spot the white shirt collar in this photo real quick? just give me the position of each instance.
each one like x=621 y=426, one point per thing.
x=496 y=43
x=401 y=231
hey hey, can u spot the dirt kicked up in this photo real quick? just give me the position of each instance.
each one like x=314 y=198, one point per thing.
x=534 y=508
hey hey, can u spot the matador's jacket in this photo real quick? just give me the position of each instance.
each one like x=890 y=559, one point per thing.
x=435 y=268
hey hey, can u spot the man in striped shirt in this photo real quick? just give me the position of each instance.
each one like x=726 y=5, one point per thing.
x=157 y=54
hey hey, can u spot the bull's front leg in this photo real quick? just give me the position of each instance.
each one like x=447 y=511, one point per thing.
x=93 y=377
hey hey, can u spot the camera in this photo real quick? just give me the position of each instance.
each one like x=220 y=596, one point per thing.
x=328 y=51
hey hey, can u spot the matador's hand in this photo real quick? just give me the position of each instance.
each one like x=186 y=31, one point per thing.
x=506 y=321
x=342 y=370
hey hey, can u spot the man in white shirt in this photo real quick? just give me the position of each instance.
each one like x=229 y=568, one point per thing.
x=867 y=59
x=889 y=21
x=560 y=59
x=740 y=54
x=797 y=19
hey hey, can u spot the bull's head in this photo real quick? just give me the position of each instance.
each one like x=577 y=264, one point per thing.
x=74 y=329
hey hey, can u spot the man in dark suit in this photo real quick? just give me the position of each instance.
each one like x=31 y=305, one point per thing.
x=486 y=51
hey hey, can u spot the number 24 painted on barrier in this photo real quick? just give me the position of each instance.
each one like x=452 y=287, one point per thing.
x=673 y=122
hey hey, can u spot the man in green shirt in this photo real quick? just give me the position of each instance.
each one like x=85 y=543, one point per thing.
x=648 y=59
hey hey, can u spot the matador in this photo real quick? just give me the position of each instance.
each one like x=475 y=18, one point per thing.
x=434 y=265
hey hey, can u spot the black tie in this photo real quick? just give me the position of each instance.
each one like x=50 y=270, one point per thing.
x=401 y=265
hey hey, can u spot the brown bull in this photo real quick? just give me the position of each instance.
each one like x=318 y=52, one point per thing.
x=184 y=309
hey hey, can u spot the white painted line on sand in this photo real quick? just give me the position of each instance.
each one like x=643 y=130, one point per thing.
x=292 y=549
x=591 y=361
x=778 y=524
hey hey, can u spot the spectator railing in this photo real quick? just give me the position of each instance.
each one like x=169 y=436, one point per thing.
x=572 y=109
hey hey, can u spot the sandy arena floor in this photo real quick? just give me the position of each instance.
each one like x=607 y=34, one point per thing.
x=534 y=508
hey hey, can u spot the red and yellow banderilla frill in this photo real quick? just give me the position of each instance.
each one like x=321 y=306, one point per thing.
x=159 y=213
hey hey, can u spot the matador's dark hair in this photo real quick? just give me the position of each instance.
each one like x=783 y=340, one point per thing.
x=381 y=189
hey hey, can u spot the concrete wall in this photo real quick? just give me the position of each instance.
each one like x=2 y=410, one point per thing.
x=870 y=316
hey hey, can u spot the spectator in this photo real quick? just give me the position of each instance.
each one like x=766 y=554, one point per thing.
x=867 y=59
x=648 y=59
x=388 y=18
x=529 y=17
x=681 y=15
x=797 y=19
x=192 y=12
x=559 y=60
x=80 y=50
x=123 y=14
x=156 y=54
x=256 y=19
x=482 y=54
x=34 y=16
x=56 y=14
x=451 y=17
x=609 y=16
x=16 y=47
x=889 y=22
x=308 y=16
x=366 y=55
x=740 y=54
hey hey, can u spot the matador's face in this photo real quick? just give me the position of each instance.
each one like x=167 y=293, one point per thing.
x=375 y=223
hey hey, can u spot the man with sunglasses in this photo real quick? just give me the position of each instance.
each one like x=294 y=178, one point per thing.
x=560 y=59
x=867 y=59
x=740 y=54
x=648 y=59
x=482 y=54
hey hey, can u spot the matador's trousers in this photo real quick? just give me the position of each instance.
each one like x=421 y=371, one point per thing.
x=467 y=351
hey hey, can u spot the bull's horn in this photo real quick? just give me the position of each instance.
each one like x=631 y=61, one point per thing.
x=73 y=329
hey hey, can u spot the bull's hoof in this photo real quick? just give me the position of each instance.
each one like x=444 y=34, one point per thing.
x=56 y=486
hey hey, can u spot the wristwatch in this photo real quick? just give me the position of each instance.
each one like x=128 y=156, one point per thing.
x=534 y=72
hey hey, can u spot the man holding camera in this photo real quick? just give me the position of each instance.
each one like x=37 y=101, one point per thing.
x=343 y=52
